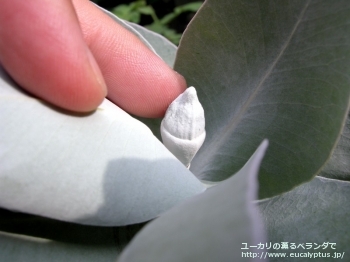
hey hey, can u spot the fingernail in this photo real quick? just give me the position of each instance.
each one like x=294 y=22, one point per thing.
x=97 y=72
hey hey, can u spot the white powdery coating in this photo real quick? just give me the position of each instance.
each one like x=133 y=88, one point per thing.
x=183 y=127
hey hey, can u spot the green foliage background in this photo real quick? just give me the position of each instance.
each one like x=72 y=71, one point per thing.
x=168 y=18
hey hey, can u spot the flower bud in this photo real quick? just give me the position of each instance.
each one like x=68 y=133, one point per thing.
x=183 y=127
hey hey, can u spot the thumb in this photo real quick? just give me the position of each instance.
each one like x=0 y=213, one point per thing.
x=43 y=49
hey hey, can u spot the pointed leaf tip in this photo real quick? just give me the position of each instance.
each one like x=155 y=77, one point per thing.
x=208 y=227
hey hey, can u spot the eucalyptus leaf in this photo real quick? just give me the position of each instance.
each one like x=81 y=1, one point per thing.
x=208 y=227
x=30 y=238
x=162 y=46
x=338 y=166
x=31 y=249
x=103 y=168
x=189 y=7
x=157 y=43
x=268 y=69
x=317 y=212
x=126 y=25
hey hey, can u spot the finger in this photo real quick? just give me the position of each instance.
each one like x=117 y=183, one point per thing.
x=138 y=80
x=43 y=49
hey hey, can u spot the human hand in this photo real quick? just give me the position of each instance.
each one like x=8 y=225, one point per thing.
x=69 y=53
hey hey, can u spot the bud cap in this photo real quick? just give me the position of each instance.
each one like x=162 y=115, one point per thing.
x=183 y=127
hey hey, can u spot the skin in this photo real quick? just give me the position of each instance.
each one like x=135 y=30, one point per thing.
x=71 y=54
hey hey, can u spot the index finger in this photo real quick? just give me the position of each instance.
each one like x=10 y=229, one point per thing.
x=137 y=79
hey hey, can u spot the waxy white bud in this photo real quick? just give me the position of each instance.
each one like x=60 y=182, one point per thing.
x=183 y=127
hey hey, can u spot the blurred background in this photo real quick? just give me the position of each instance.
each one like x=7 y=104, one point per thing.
x=166 y=17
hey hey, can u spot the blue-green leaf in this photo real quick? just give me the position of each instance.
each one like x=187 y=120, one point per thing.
x=269 y=69
x=31 y=238
x=103 y=168
x=209 y=227
x=156 y=42
x=314 y=215
x=338 y=166
x=162 y=46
